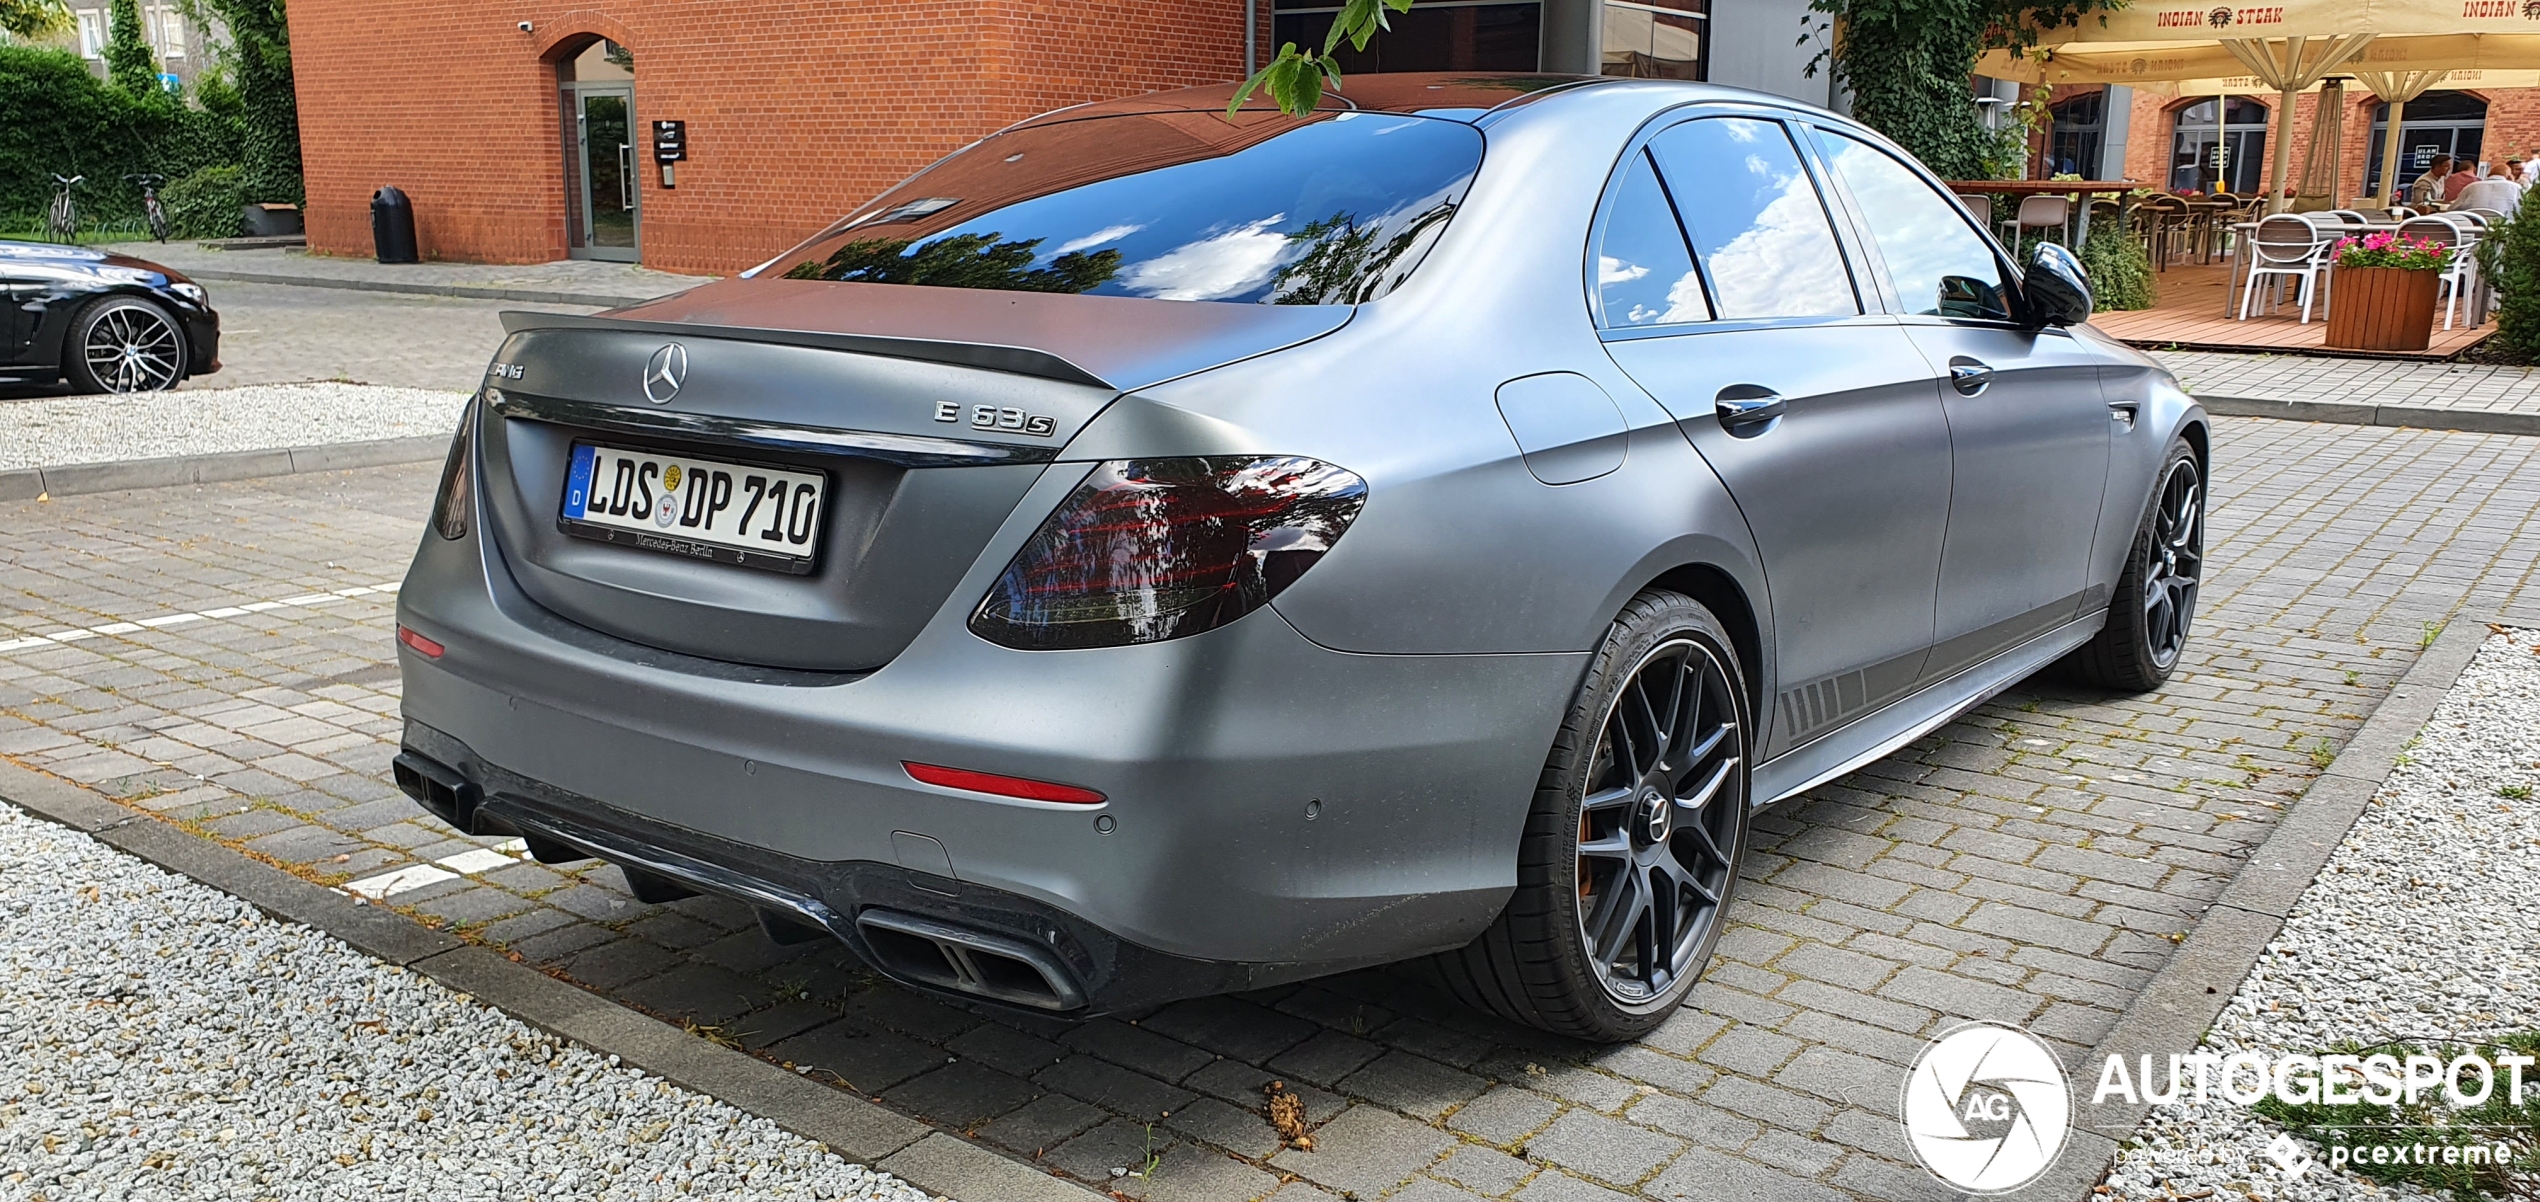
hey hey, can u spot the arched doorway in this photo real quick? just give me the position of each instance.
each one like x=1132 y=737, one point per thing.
x=2437 y=123
x=595 y=90
x=2219 y=144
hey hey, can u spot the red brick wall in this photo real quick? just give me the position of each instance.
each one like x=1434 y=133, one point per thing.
x=797 y=110
x=2513 y=128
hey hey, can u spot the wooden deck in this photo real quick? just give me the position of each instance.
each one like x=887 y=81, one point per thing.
x=2191 y=314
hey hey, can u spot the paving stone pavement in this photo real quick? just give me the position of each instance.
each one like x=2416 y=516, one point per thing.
x=622 y=281
x=2029 y=863
x=2476 y=387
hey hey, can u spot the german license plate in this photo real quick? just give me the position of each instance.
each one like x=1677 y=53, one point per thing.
x=759 y=517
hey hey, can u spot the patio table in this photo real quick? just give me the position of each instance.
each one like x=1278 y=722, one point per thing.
x=2077 y=226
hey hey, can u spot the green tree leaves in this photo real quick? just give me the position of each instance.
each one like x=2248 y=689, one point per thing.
x=1295 y=79
x=1907 y=63
x=33 y=19
x=129 y=63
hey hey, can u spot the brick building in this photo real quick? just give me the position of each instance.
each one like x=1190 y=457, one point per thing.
x=522 y=129
x=2177 y=142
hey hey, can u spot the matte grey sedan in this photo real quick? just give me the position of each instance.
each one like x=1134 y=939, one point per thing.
x=1151 y=554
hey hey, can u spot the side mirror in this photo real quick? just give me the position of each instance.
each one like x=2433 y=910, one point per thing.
x=2055 y=291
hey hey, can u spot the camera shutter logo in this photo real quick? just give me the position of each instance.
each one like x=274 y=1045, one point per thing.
x=1986 y=1108
x=665 y=372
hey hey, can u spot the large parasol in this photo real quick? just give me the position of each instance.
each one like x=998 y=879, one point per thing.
x=2398 y=48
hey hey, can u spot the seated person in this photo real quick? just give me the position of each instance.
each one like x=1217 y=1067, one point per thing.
x=2464 y=173
x=2427 y=191
x=2497 y=192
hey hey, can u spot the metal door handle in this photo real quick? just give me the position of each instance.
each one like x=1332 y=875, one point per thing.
x=1968 y=376
x=1743 y=406
x=626 y=174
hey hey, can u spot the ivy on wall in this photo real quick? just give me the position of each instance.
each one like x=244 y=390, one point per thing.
x=258 y=59
x=1907 y=64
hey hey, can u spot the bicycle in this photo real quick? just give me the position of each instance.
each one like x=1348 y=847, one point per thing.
x=150 y=206
x=63 y=219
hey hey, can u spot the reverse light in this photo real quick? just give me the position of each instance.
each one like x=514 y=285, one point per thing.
x=450 y=506
x=1002 y=786
x=423 y=646
x=1153 y=549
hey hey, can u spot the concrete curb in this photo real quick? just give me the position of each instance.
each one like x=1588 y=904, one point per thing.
x=2182 y=1001
x=28 y=483
x=857 y=1129
x=536 y=296
x=2416 y=417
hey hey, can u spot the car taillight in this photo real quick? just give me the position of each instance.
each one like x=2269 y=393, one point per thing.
x=1152 y=549
x=450 y=505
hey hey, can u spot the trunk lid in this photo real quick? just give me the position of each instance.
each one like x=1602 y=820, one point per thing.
x=928 y=413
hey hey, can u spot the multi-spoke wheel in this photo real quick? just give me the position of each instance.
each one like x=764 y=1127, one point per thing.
x=2155 y=602
x=124 y=344
x=1632 y=846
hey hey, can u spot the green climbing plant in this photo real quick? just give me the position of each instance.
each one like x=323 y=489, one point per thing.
x=257 y=61
x=129 y=63
x=1907 y=63
x=29 y=20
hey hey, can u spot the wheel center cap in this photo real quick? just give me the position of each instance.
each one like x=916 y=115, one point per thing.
x=1657 y=816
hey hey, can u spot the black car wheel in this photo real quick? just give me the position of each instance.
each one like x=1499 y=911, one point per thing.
x=1631 y=849
x=2155 y=603
x=124 y=344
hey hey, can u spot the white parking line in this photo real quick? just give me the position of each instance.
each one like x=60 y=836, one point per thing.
x=59 y=637
x=416 y=876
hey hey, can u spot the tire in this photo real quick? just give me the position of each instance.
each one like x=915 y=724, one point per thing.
x=2155 y=603
x=1591 y=839
x=123 y=344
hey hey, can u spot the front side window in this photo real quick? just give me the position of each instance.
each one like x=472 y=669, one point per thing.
x=1759 y=229
x=1264 y=209
x=1644 y=274
x=1941 y=266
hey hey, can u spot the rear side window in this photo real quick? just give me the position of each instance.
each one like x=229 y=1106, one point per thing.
x=1940 y=265
x=1644 y=274
x=1266 y=209
x=1759 y=229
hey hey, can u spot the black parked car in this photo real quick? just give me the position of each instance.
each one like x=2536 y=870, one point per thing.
x=103 y=321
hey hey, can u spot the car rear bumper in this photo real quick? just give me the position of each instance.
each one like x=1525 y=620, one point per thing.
x=1273 y=809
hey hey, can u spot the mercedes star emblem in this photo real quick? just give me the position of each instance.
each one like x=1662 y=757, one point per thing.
x=665 y=372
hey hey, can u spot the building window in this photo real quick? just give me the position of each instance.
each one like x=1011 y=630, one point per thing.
x=2076 y=134
x=2207 y=155
x=2437 y=123
x=92 y=33
x=1437 y=35
x=1656 y=39
x=170 y=25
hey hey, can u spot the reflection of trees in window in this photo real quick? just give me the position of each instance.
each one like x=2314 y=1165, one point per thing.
x=1344 y=263
x=962 y=261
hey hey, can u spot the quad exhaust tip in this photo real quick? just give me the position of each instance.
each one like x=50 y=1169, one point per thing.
x=974 y=962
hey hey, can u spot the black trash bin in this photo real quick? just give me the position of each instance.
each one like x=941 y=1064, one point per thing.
x=392 y=226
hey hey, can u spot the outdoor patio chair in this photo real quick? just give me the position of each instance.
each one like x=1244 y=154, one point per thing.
x=2486 y=217
x=2038 y=213
x=1978 y=206
x=2350 y=216
x=2286 y=246
x=2460 y=230
x=2159 y=220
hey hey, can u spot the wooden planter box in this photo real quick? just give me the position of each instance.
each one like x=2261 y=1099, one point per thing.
x=2381 y=308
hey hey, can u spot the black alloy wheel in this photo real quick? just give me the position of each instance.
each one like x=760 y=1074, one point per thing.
x=1654 y=849
x=2155 y=603
x=1631 y=850
x=125 y=344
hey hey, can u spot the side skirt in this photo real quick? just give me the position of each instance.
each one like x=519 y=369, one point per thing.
x=1880 y=734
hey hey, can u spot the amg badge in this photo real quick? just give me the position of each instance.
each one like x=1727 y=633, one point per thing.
x=990 y=417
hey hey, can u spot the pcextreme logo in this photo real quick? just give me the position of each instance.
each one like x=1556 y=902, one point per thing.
x=1986 y=1108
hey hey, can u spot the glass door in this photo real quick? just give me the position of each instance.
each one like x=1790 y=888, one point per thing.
x=601 y=160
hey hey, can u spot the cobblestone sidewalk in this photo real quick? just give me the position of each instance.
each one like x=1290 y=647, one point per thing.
x=2473 y=387
x=2030 y=863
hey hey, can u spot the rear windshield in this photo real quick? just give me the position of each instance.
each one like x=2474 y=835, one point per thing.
x=1265 y=209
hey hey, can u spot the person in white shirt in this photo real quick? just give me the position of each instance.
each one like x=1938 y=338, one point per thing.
x=2497 y=192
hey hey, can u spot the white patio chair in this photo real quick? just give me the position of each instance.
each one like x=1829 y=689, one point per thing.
x=2289 y=246
x=2459 y=230
x=1978 y=206
x=2038 y=213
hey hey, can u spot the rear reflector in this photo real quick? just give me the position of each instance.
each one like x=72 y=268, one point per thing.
x=430 y=649
x=1002 y=786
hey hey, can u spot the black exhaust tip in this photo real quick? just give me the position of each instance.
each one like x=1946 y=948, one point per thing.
x=945 y=956
x=437 y=786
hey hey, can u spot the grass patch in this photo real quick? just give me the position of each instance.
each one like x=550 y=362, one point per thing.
x=2401 y=1127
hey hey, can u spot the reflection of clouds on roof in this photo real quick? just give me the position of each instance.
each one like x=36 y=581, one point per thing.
x=1231 y=263
x=1744 y=131
x=1610 y=270
x=1112 y=233
x=1785 y=264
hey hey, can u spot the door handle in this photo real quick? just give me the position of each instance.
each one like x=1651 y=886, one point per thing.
x=626 y=174
x=1745 y=407
x=1969 y=376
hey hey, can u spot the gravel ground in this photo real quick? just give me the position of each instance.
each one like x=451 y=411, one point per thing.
x=2425 y=925
x=55 y=431
x=161 y=1039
